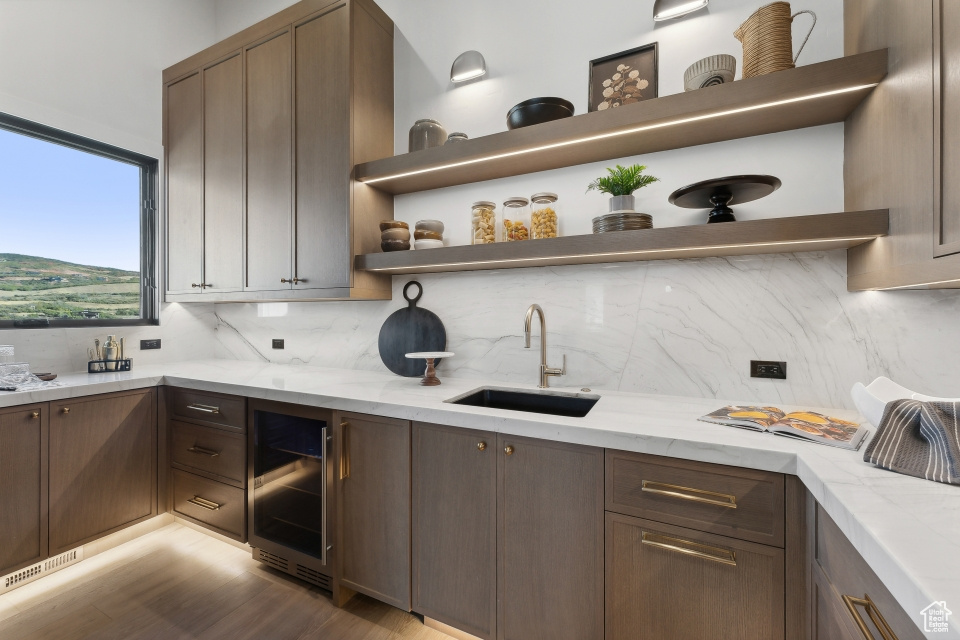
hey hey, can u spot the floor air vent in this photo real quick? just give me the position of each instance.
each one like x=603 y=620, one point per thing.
x=31 y=573
x=306 y=574
x=313 y=577
x=274 y=561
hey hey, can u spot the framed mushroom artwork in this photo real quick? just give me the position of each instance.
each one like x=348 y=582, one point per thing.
x=623 y=78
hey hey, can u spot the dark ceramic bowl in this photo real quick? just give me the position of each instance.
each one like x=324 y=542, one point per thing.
x=394 y=245
x=537 y=111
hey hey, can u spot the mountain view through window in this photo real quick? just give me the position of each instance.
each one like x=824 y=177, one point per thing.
x=69 y=233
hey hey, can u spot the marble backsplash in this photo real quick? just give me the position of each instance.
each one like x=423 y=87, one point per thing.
x=671 y=327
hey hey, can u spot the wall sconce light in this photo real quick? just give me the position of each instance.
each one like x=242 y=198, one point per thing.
x=669 y=9
x=467 y=66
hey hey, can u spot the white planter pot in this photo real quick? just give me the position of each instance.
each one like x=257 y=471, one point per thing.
x=622 y=203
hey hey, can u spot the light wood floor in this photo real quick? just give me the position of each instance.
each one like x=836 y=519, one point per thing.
x=179 y=583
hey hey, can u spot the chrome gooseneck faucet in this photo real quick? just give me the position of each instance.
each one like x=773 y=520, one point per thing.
x=545 y=371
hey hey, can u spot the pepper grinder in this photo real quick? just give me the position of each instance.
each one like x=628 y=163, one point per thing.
x=110 y=351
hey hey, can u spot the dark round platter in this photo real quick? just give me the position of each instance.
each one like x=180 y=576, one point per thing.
x=719 y=193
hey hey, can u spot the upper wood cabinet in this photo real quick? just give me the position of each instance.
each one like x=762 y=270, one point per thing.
x=261 y=132
x=23 y=487
x=902 y=145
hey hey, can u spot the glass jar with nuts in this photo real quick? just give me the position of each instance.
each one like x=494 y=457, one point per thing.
x=516 y=219
x=483 y=222
x=543 y=216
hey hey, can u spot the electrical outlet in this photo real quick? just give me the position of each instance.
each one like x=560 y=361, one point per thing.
x=278 y=343
x=146 y=345
x=768 y=369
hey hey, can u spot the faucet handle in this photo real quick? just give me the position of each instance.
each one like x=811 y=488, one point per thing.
x=550 y=371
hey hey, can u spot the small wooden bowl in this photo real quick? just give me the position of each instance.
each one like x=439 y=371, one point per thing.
x=393 y=224
x=394 y=245
x=397 y=233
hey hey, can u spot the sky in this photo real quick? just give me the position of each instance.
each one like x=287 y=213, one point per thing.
x=60 y=203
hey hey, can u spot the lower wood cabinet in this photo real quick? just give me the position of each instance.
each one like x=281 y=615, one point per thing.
x=207 y=436
x=23 y=487
x=666 y=582
x=847 y=598
x=373 y=507
x=549 y=540
x=455 y=527
x=103 y=466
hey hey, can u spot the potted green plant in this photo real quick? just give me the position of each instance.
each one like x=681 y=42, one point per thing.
x=620 y=184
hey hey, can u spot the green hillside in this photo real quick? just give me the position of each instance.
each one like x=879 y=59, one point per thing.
x=31 y=286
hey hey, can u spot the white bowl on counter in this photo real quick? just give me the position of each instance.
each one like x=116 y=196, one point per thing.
x=872 y=399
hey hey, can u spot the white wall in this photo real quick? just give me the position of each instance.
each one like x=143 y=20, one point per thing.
x=93 y=67
x=675 y=327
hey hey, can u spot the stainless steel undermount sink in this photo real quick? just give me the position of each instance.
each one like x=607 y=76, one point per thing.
x=555 y=403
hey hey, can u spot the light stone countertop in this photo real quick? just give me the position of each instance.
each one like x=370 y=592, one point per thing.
x=907 y=529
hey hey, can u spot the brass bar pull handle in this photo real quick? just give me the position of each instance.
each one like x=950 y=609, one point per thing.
x=886 y=633
x=210 y=505
x=344 y=450
x=687 y=493
x=285 y=281
x=205 y=408
x=690 y=548
x=202 y=450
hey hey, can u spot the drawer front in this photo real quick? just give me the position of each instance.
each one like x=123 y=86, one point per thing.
x=213 y=409
x=222 y=453
x=730 y=501
x=861 y=591
x=664 y=581
x=209 y=502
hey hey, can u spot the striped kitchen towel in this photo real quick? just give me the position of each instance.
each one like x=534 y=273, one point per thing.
x=919 y=439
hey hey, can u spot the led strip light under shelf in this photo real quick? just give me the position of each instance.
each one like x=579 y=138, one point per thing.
x=623 y=132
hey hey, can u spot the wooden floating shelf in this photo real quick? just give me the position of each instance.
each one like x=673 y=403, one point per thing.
x=776 y=235
x=807 y=96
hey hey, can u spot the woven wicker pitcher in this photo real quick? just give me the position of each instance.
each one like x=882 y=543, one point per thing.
x=767 y=40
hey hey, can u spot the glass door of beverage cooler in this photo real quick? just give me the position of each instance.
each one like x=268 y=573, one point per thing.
x=290 y=482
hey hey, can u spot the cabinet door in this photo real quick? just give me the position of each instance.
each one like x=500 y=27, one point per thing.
x=23 y=487
x=103 y=466
x=323 y=151
x=269 y=132
x=184 y=151
x=829 y=621
x=550 y=540
x=223 y=175
x=669 y=582
x=374 y=507
x=947 y=179
x=454 y=527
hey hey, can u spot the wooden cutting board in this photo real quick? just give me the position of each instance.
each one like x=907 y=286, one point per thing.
x=409 y=330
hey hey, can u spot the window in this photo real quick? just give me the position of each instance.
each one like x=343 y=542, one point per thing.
x=77 y=230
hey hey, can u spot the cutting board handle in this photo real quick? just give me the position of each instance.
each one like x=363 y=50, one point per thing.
x=413 y=303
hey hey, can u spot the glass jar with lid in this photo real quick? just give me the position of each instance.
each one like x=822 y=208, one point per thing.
x=483 y=222
x=543 y=216
x=516 y=219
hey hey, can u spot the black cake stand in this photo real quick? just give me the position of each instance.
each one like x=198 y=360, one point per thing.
x=720 y=193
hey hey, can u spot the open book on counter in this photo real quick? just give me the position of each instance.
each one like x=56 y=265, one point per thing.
x=803 y=425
